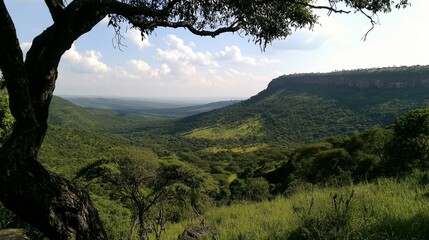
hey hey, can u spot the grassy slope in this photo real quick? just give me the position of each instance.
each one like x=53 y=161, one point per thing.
x=385 y=209
x=292 y=113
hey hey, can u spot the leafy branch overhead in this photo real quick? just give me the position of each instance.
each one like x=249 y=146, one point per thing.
x=263 y=20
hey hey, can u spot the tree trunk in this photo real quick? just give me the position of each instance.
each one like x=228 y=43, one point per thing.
x=143 y=234
x=133 y=228
x=48 y=202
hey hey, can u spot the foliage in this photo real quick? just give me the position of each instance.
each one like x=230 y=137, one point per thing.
x=333 y=223
x=351 y=212
x=115 y=216
x=67 y=150
x=6 y=118
x=154 y=192
x=409 y=147
x=249 y=128
x=306 y=108
x=65 y=114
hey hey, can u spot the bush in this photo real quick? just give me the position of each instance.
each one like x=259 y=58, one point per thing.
x=334 y=223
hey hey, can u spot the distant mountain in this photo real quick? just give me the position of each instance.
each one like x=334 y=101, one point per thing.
x=148 y=107
x=303 y=108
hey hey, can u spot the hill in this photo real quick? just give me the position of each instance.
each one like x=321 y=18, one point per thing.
x=65 y=114
x=166 y=108
x=303 y=108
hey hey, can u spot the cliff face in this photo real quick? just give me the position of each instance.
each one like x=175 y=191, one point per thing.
x=394 y=77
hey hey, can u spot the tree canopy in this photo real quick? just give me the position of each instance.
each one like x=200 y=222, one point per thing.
x=54 y=205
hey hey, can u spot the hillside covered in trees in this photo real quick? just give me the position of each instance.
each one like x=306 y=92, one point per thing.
x=303 y=108
x=316 y=149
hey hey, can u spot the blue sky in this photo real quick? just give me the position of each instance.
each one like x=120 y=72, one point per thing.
x=175 y=63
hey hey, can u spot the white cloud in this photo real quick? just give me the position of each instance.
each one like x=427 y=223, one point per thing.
x=233 y=53
x=87 y=63
x=25 y=47
x=177 y=51
x=144 y=70
x=136 y=38
x=176 y=69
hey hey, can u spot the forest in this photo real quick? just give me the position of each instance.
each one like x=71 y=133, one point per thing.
x=300 y=160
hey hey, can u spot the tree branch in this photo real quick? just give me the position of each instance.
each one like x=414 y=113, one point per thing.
x=188 y=25
x=115 y=7
x=331 y=8
x=372 y=21
x=56 y=8
x=13 y=69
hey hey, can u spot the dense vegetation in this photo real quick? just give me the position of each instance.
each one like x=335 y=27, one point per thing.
x=304 y=108
x=150 y=183
x=383 y=209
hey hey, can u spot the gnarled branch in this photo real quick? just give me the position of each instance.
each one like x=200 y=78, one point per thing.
x=188 y=25
x=56 y=8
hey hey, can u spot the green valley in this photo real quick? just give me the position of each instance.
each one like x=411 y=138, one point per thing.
x=341 y=155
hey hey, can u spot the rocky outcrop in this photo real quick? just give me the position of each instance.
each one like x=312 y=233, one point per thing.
x=394 y=77
x=194 y=233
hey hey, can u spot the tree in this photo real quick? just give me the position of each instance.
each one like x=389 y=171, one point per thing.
x=152 y=189
x=129 y=178
x=52 y=204
x=409 y=146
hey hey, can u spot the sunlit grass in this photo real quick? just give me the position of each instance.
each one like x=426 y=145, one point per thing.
x=385 y=209
x=243 y=149
x=251 y=127
x=231 y=178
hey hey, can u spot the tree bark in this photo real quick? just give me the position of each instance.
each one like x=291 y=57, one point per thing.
x=53 y=205
x=133 y=228
x=143 y=234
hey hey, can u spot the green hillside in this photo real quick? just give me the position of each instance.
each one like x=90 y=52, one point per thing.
x=166 y=108
x=304 y=108
x=78 y=136
x=215 y=167
x=65 y=114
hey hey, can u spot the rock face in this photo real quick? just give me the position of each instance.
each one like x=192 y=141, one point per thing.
x=393 y=77
x=194 y=233
x=13 y=234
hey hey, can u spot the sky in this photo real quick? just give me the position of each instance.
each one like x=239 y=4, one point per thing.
x=173 y=63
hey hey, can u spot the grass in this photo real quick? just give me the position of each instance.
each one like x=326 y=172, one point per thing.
x=243 y=149
x=385 y=209
x=247 y=128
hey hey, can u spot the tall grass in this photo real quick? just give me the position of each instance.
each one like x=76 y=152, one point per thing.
x=385 y=209
x=251 y=127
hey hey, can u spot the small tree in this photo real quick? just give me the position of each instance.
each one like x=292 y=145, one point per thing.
x=156 y=192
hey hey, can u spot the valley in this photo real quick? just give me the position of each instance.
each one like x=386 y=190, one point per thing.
x=281 y=156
